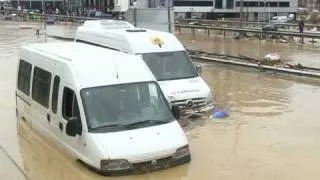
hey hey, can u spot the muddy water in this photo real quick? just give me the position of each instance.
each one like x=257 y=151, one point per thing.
x=273 y=131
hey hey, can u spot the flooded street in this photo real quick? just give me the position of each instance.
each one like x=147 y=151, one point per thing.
x=273 y=131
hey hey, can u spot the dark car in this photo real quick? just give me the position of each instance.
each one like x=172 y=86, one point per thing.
x=270 y=27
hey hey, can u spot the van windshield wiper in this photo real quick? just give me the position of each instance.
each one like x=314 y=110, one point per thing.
x=108 y=126
x=146 y=122
x=177 y=78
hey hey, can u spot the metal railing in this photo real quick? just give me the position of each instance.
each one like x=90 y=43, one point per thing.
x=235 y=23
x=39 y=17
x=248 y=30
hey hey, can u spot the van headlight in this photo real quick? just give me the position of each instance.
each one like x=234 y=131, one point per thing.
x=114 y=165
x=181 y=152
x=209 y=98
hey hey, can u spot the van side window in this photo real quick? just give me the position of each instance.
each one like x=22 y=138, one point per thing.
x=70 y=106
x=24 y=75
x=41 y=86
x=55 y=93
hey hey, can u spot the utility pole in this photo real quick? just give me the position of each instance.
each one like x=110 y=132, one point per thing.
x=169 y=15
x=44 y=20
x=241 y=13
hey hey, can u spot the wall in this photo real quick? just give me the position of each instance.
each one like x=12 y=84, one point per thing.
x=151 y=18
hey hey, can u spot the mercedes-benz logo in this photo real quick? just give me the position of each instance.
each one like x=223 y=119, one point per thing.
x=154 y=162
x=189 y=103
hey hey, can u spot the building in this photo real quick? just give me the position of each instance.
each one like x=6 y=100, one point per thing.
x=310 y=4
x=37 y=4
x=253 y=10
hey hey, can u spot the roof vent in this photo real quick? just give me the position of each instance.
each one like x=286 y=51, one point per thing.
x=108 y=24
x=136 y=30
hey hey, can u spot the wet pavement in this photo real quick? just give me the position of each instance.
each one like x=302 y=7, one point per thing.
x=273 y=131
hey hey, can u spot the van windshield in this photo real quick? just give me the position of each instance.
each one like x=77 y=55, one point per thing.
x=126 y=106
x=170 y=65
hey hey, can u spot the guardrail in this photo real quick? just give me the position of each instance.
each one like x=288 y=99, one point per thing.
x=257 y=31
x=253 y=23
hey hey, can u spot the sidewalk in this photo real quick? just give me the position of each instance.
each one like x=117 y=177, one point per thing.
x=9 y=170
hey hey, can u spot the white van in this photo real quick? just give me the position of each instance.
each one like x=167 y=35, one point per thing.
x=95 y=106
x=161 y=51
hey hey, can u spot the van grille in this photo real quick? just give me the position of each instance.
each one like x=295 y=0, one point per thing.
x=157 y=164
x=190 y=103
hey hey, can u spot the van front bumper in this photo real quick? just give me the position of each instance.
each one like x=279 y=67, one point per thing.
x=148 y=166
x=199 y=109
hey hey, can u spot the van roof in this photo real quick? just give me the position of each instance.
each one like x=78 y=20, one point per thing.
x=95 y=66
x=131 y=40
x=110 y=24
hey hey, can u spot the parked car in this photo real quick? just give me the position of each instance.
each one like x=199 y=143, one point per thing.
x=270 y=27
x=279 y=19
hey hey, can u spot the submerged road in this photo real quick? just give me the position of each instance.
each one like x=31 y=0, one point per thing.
x=273 y=131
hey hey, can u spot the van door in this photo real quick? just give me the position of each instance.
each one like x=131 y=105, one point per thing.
x=55 y=118
x=41 y=86
x=70 y=108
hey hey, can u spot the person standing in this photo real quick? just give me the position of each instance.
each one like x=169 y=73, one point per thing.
x=301 y=25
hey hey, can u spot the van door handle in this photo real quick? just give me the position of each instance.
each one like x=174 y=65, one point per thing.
x=60 y=126
x=48 y=117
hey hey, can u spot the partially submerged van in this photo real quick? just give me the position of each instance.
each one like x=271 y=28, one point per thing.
x=95 y=106
x=161 y=51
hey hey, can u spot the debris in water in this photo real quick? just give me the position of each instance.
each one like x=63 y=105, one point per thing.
x=272 y=57
x=219 y=114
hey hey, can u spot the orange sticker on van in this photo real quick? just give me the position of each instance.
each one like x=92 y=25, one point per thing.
x=157 y=41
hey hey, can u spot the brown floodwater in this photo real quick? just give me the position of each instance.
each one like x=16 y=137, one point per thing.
x=273 y=131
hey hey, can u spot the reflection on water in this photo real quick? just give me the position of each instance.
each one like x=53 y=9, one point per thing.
x=273 y=131
x=249 y=93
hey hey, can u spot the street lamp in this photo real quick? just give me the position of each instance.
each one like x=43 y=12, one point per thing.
x=241 y=10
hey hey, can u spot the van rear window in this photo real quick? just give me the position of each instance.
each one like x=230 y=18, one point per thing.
x=24 y=75
x=41 y=86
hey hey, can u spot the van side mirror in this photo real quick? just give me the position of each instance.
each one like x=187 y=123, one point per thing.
x=199 y=68
x=176 y=112
x=73 y=127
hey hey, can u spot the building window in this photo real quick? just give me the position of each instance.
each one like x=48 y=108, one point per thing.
x=218 y=4
x=262 y=4
x=230 y=4
x=273 y=4
x=41 y=86
x=284 y=4
x=24 y=75
x=193 y=3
